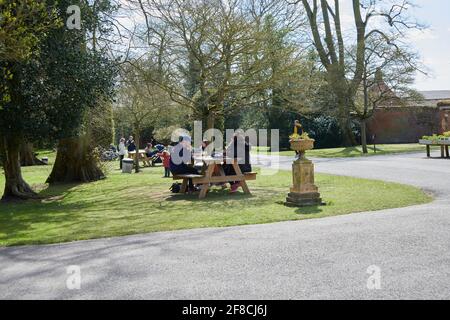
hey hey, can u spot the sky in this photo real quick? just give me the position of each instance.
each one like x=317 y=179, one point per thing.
x=433 y=44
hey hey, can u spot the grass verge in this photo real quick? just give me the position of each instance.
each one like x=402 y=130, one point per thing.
x=141 y=203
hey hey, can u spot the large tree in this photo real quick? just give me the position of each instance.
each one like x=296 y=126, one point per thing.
x=217 y=50
x=81 y=76
x=23 y=25
x=385 y=19
x=389 y=72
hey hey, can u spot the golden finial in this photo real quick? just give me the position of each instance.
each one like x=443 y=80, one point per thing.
x=297 y=125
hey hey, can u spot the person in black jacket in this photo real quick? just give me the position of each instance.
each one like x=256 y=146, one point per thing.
x=181 y=159
x=239 y=148
x=131 y=146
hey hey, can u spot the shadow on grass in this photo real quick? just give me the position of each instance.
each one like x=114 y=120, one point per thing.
x=18 y=217
x=212 y=196
x=59 y=213
x=309 y=210
x=306 y=210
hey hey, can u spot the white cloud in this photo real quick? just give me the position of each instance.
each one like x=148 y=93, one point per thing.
x=420 y=35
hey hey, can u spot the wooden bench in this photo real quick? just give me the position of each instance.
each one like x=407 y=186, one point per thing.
x=443 y=144
x=250 y=176
x=185 y=178
x=205 y=181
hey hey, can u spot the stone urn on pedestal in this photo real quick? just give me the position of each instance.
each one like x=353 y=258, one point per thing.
x=303 y=192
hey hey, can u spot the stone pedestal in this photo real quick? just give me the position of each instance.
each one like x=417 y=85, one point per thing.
x=303 y=192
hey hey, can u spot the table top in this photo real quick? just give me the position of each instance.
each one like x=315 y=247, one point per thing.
x=134 y=152
x=216 y=160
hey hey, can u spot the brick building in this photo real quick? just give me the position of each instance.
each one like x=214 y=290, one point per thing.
x=409 y=122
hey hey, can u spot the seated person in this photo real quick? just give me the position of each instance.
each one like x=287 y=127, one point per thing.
x=181 y=159
x=149 y=153
x=239 y=148
x=160 y=147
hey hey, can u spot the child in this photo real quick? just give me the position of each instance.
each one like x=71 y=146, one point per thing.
x=165 y=157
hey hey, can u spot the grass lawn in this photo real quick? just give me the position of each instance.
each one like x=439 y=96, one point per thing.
x=131 y=204
x=357 y=151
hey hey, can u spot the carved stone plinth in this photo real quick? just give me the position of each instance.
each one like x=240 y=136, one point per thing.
x=303 y=192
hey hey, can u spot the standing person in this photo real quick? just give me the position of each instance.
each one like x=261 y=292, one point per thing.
x=131 y=144
x=165 y=157
x=122 y=150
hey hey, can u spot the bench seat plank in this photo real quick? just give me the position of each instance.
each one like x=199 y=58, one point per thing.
x=199 y=179
x=250 y=175
x=187 y=176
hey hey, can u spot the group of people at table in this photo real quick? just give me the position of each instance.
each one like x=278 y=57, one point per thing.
x=128 y=148
x=182 y=158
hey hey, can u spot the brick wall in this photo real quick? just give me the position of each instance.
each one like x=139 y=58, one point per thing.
x=405 y=124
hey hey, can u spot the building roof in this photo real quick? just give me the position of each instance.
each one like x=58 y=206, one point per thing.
x=436 y=94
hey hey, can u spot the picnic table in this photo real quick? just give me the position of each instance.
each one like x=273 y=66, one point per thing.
x=142 y=155
x=444 y=144
x=213 y=173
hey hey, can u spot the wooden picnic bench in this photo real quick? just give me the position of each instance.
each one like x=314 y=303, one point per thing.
x=444 y=144
x=207 y=177
x=142 y=156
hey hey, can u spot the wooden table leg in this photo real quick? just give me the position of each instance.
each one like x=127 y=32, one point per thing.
x=442 y=152
x=238 y=172
x=222 y=172
x=184 y=186
x=428 y=151
x=447 y=153
x=205 y=186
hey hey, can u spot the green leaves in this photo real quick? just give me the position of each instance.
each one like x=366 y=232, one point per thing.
x=47 y=94
x=22 y=24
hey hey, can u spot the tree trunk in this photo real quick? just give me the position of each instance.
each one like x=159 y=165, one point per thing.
x=364 y=137
x=137 y=141
x=210 y=121
x=75 y=162
x=28 y=157
x=349 y=136
x=15 y=185
x=349 y=139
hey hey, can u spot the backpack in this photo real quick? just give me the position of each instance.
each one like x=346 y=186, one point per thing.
x=176 y=187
